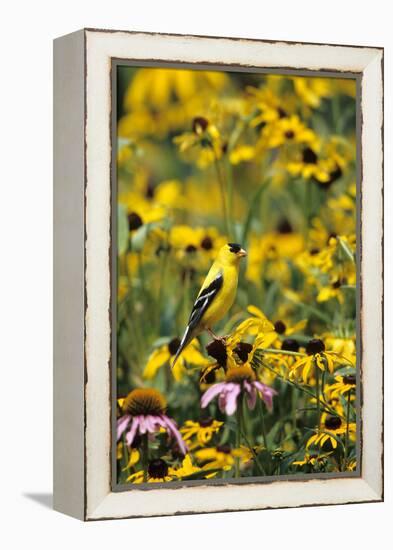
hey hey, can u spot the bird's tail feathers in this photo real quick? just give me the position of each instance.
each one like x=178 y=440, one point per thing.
x=187 y=337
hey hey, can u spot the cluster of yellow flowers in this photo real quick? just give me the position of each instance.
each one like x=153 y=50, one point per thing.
x=206 y=158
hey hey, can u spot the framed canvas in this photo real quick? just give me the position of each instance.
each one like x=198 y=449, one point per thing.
x=218 y=269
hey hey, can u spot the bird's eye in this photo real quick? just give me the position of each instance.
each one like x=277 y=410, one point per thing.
x=234 y=247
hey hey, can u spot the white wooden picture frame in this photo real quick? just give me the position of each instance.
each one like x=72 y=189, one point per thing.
x=82 y=257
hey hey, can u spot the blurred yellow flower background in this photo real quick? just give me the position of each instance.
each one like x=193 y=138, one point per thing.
x=267 y=161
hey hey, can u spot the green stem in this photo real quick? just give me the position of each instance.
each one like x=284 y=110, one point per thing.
x=223 y=195
x=238 y=431
x=252 y=450
x=304 y=390
x=346 y=449
x=230 y=190
x=317 y=392
x=295 y=396
x=283 y=352
x=263 y=426
x=186 y=295
x=162 y=283
x=145 y=456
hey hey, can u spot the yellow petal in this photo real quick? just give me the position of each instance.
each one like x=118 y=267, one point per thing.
x=158 y=358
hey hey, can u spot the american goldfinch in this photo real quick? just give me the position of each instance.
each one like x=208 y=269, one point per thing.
x=216 y=295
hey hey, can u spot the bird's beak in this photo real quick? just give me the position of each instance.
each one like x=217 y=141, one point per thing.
x=242 y=253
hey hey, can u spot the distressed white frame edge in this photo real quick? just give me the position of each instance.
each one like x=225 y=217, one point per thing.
x=100 y=502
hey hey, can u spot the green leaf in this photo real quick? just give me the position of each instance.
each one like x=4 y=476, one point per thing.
x=138 y=238
x=347 y=251
x=254 y=204
x=122 y=229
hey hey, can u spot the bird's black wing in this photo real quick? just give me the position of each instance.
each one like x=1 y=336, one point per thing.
x=204 y=299
x=201 y=304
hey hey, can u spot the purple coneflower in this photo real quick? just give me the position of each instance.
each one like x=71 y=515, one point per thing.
x=145 y=413
x=238 y=380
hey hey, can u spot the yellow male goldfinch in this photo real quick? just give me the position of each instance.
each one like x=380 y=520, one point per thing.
x=216 y=295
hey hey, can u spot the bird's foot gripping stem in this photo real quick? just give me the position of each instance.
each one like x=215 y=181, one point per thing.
x=215 y=337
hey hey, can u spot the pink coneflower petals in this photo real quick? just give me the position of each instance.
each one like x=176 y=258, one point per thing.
x=229 y=400
x=211 y=393
x=172 y=429
x=134 y=427
x=122 y=424
x=228 y=392
x=267 y=393
x=251 y=395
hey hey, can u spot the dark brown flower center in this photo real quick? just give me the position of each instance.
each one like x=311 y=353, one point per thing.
x=281 y=113
x=217 y=350
x=314 y=346
x=158 y=468
x=173 y=346
x=243 y=350
x=332 y=422
x=314 y=251
x=349 y=379
x=134 y=221
x=290 y=344
x=224 y=449
x=191 y=249
x=335 y=175
x=289 y=134
x=144 y=401
x=150 y=190
x=162 y=248
x=136 y=442
x=208 y=375
x=240 y=374
x=207 y=243
x=309 y=156
x=205 y=422
x=331 y=236
x=199 y=124
x=284 y=227
x=336 y=284
x=280 y=327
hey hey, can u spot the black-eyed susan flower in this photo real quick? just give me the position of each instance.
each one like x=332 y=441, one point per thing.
x=186 y=469
x=133 y=454
x=317 y=357
x=199 y=433
x=267 y=105
x=256 y=324
x=288 y=130
x=160 y=471
x=222 y=457
x=332 y=290
x=159 y=87
x=239 y=380
x=331 y=428
x=144 y=413
x=157 y=472
x=165 y=354
x=343 y=345
x=198 y=244
x=140 y=211
x=343 y=384
x=269 y=254
x=312 y=90
x=203 y=145
x=317 y=460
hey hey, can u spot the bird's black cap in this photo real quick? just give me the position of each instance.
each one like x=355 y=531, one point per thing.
x=234 y=247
